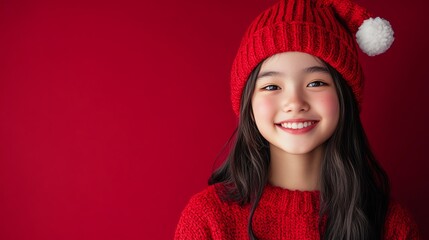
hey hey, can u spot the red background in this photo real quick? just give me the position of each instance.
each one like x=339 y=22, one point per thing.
x=112 y=112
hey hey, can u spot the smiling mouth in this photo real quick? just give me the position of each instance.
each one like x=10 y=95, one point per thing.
x=297 y=125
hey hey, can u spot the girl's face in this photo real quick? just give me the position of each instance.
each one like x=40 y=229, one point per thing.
x=295 y=103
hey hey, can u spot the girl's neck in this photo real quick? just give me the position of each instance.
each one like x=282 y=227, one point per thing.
x=295 y=171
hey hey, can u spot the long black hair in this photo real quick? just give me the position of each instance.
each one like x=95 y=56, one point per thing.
x=354 y=190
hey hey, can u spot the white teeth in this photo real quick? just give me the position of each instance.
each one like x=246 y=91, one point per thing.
x=297 y=125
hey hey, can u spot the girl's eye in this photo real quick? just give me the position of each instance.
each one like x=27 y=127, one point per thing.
x=271 y=87
x=316 y=84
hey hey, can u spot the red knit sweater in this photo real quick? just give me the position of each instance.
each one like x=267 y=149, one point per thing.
x=281 y=214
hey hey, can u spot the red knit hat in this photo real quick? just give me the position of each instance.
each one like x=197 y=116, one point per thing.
x=323 y=28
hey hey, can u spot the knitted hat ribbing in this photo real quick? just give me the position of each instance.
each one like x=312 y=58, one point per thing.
x=323 y=28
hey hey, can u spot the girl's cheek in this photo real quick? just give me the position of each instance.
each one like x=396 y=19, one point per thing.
x=263 y=106
x=330 y=104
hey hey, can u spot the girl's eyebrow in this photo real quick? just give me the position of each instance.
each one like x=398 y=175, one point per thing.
x=312 y=69
x=316 y=69
x=269 y=74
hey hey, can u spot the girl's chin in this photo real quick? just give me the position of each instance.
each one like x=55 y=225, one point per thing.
x=296 y=150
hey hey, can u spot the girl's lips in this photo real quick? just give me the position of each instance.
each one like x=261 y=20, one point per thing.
x=297 y=126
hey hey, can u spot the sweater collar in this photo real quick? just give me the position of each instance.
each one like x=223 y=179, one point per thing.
x=292 y=201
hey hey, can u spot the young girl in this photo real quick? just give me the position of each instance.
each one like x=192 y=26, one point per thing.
x=300 y=166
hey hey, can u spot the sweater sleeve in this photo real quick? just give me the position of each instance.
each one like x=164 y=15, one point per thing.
x=400 y=225
x=193 y=223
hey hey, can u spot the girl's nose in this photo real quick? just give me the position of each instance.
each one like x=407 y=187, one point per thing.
x=295 y=102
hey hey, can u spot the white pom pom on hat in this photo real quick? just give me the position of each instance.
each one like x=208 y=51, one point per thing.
x=373 y=35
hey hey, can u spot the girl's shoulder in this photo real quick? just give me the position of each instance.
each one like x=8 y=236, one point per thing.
x=205 y=198
x=204 y=212
x=400 y=223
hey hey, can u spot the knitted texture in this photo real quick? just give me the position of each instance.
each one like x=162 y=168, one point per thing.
x=323 y=28
x=281 y=214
